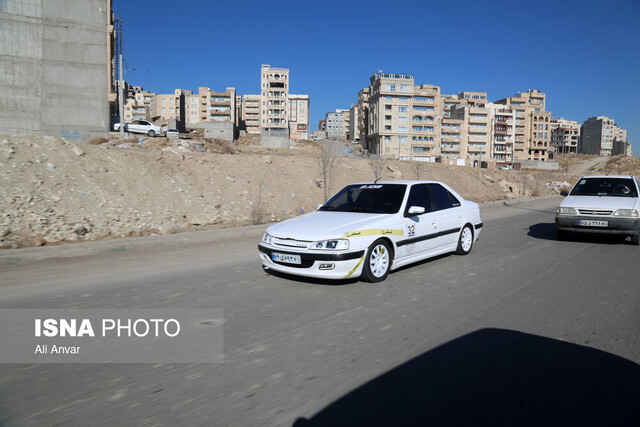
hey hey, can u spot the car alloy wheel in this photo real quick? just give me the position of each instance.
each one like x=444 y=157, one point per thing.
x=151 y=133
x=466 y=240
x=378 y=262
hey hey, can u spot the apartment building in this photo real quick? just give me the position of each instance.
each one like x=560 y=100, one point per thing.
x=532 y=125
x=599 y=134
x=298 y=116
x=251 y=113
x=354 y=132
x=475 y=116
x=336 y=124
x=191 y=107
x=565 y=135
x=363 y=116
x=274 y=86
x=390 y=109
x=217 y=106
x=139 y=104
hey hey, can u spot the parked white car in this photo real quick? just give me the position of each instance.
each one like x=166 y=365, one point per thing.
x=140 y=126
x=605 y=204
x=369 y=229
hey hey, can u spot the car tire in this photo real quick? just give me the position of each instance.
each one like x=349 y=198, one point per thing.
x=151 y=133
x=377 y=262
x=635 y=239
x=562 y=234
x=465 y=241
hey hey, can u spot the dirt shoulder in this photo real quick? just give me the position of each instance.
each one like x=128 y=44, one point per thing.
x=54 y=191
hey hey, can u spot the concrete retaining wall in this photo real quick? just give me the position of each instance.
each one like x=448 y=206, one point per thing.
x=534 y=164
x=275 y=138
x=53 y=67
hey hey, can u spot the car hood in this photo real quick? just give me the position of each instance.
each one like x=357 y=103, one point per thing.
x=602 y=202
x=329 y=225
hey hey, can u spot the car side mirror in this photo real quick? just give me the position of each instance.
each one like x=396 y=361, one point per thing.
x=319 y=206
x=564 y=193
x=415 y=210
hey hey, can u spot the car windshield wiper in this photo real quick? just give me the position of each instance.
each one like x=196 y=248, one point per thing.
x=361 y=209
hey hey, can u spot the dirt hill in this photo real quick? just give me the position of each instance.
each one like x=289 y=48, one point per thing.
x=54 y=191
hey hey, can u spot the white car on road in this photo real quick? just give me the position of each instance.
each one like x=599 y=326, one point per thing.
x=369 y=229
x=604 y=204
x=140 y=126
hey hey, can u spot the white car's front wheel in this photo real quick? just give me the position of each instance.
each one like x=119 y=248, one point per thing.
x=151 y=133
x=377 y=262
x=465 y=243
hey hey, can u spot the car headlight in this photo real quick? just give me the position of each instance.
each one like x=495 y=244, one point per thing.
x=337 y=244
x=266 y=238
x=565 y=211
x=626 y=212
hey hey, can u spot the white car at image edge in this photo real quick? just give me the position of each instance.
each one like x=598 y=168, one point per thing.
x=601 y=204
x=368 y=229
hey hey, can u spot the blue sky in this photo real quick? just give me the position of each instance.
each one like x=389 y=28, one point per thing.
x=584 y=54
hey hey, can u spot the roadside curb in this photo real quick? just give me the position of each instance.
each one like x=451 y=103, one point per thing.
x=128 y=244
x=506 y=202
x=189 y=238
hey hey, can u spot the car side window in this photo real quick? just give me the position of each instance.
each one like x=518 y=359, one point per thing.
x=442 y=199
x=419 y=196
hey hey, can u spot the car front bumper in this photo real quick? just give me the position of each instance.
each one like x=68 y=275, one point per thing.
x=344 y=265
x=616 y=225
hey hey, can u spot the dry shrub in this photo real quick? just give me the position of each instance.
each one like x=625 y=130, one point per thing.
x=215 y=145
x=98 y=140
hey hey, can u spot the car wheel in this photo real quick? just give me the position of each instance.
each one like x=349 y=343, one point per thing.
x=465 y=242
x=635 y=239
x=151 y=133
x=377 y=262
x=562 y=234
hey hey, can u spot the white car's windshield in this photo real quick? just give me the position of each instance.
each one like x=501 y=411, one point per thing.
x=367 y=198
x=614 y=187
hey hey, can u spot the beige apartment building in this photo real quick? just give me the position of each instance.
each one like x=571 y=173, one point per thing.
x=139 y=104
x=532 y=125
x=217 y=106
x=363 y=116
x=251 y=113
x=298 y=117
x=565 y=135
x=191 y=107
x=354 y=132
x=274 y=86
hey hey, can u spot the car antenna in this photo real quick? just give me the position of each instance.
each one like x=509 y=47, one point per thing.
x=377 y=179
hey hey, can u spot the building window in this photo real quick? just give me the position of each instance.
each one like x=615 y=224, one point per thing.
x=402 y=139
x=405 y=88
x=402 y=129
x=402 y=109
x=391 y=88
x=402 y=119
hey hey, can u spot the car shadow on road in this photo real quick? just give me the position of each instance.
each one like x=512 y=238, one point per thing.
x=496 y=377
x=309 y=280
x=547 y=231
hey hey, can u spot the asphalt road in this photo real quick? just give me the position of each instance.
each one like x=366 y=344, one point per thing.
x=524 y=330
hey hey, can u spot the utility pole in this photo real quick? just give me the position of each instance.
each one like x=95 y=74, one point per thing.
x=120 y=98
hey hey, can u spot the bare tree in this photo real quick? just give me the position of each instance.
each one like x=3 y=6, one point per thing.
x=417 y=167
x=377 y=166
x=327 y=159
x=565 y=162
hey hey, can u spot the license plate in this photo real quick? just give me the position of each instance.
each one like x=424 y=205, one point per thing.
x=289 y=259
x=590 y=223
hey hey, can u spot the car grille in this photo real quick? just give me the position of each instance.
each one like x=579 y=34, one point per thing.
x=291 y=243
x=594 y=212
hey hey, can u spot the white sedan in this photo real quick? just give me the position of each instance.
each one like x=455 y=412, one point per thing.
x=369 y=229
x=140 y=126
x=604 y=204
